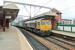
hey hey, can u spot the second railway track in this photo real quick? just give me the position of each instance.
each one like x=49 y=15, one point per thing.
x=63 y=44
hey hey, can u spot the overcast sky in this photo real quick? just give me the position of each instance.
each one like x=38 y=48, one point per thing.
x=67 y=7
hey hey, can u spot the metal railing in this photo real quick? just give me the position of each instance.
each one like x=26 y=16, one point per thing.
x=66 y=27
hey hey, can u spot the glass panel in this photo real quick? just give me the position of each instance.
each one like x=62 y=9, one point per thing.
x=45 y=23
x=48 y=23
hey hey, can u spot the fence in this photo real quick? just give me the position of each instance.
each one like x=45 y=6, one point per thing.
x=66 y=25
x=69 y=28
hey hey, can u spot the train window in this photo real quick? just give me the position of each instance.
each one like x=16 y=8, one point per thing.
x=45 y=23
x=42 y=23
x=38 y=23
x=48 y=23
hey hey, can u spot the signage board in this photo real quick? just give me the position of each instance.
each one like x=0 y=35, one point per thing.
x=8 y=17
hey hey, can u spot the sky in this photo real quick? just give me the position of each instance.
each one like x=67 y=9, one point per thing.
x=67 y=7
x=1 y=2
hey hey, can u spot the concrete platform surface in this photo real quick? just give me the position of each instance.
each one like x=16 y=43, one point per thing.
x=64 y=33
x=13 y=39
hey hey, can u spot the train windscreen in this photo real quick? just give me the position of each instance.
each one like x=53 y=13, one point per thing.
x=46 y=23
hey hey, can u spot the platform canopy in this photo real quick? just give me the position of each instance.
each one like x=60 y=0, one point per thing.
x=10 y=11
x=10 y=6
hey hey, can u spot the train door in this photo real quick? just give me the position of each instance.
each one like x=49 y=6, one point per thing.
x=38 y=25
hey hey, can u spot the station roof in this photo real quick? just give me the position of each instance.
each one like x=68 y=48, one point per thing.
x=10 y=6
x=11 y=10
x=44 y=16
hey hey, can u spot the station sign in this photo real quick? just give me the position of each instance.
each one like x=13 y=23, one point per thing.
x=7 y=17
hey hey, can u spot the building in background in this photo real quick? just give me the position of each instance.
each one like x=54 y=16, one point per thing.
x=66 y=21
x=73 y=21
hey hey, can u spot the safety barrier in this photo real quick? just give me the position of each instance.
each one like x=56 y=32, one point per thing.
x=69 y=28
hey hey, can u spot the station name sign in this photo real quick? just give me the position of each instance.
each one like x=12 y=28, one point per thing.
x=8 y=17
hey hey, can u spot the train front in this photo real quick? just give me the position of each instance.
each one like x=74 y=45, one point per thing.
x=46 y=26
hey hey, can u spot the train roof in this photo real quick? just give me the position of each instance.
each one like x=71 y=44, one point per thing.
x=39 y=17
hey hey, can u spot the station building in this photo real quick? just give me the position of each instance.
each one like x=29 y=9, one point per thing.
x=7 y=13
x=66 y=21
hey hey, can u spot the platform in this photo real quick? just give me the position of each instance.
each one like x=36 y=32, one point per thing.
x=64 y=33
x=13 y=39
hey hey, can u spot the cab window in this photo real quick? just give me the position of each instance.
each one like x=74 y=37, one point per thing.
x=45 y=23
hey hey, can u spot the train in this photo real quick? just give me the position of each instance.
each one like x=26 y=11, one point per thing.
x=41 y=25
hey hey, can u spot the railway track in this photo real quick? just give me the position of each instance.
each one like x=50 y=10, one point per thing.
x=65 y=37
x=57 y=45
x=64 y=40
x=34 y=43
x=53 y=42
x=64 y=44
